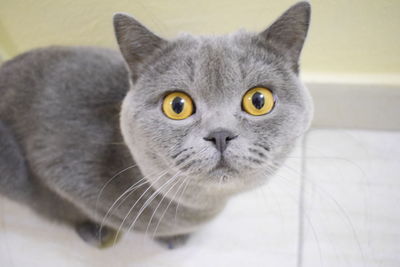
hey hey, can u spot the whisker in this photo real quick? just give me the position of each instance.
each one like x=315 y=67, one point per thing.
x=173 y=198
x=151 y=198
x=313 y=230
x=130 y=190
x=158 y=205
x=107 y=183
x=165 y=211
x=343 y=212
x=137 y=201
x=117 y=174
x=140 y=183
x=180 y=198
x=305 y=213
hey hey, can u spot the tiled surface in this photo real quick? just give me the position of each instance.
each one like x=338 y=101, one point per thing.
x=352 y=199
x=350 y=217
x=257 y=228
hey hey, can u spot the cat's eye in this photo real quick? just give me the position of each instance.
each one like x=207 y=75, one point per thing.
x=178 y=106
x=258 y=101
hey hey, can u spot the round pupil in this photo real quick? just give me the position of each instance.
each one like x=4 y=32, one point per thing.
x=258 y=100
x=177 y=104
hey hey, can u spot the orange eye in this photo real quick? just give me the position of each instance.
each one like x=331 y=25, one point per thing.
x=258 y=101
x=178 y=106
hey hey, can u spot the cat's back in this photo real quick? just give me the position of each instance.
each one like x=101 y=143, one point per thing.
x=60 y=76
x=59 y=107
x=60 y=98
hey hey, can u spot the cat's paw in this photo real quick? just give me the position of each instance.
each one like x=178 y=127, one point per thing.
x=98 y=237
x=172 y=242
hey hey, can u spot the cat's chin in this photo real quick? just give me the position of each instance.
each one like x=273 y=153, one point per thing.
x=230 y=181
x=223 y=172
x=223 y=168
x=227 y=175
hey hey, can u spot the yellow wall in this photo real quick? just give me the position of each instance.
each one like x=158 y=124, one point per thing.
x=347 y=36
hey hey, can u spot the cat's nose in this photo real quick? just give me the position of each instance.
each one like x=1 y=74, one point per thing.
x=220 y=139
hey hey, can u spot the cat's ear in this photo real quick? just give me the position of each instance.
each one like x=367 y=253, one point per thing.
x=135 y=41
x=288 y=33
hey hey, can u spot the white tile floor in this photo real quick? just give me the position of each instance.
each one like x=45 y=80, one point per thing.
x=352 y=199
x=349 y=216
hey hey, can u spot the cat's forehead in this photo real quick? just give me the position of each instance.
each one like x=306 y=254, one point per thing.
x=211 y=67
x=216 y=68
x=214 y=52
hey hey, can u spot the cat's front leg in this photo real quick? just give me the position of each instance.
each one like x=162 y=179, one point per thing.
x=172 y=242
x=96 y=235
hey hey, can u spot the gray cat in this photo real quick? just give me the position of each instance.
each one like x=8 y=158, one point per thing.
x=155 y=140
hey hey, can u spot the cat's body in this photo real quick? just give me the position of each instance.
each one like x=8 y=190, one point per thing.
x=71 y=105
x=63 y=140
x=66 y=128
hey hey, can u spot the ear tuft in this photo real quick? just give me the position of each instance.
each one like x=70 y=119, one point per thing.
x=288 y=33
x=135 y=41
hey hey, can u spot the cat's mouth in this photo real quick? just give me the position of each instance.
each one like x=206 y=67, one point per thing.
x=223 y=166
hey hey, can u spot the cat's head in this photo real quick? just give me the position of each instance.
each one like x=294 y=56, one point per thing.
x=223 y=109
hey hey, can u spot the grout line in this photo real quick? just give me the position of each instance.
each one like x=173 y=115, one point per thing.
x=303 y=171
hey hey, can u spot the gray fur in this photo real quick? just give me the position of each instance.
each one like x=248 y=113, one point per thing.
x=62 y=138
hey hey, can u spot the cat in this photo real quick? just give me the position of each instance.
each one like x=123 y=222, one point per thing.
x=157 y=137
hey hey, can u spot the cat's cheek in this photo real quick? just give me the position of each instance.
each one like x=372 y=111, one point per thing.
x=131 y=131
x=125 y=124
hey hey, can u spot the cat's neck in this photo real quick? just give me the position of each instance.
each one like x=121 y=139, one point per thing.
x=187 y=192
